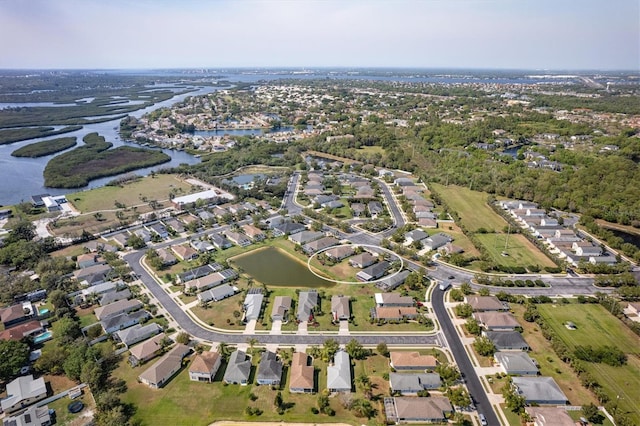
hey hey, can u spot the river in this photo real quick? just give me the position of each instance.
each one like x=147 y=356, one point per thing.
x=22 y=177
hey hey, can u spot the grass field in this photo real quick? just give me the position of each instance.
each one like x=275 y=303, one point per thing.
x=471 y=206
x=521 y=251
x=550 y=364
x=597 y=327
x=131 y=194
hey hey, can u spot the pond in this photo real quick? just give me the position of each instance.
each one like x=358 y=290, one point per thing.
x=274 y=267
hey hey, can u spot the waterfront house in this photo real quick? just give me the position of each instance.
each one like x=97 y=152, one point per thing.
x=252 y=304
x=362 y=260
x=340 y=309
x=373 y=272
x=281 y=308
x=307 y=303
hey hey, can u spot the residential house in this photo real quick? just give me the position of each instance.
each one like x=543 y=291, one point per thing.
x=549 y=416
x=206 y=216
x=417 y=235
x=392 y=282
x=220 y=241
x=146 y=350
x=238 y=238
x=166 y=257
x=485 y=303
x=165 y=368
x=143 y=234
x=89 y=293
x=281 y=308
x=375 y=208
x=393 y=299
x=339 y=373
x=253 y=304
x=539 y=390
x=209 y=281
x=217 y=293
x=122 y=321
x=99 y=246
x=159 y=229
x=23 y=392
x=20 y=331
x=395 y=313
x=116 y=308
x=516 y=363
x=92 y=275
x=363 y=260
x=121 y=238
x=411 y=384
x=427 y=223
x=507 y=340
x=307 y=303
x=184 y=252
x=137 y=333
x=373 y=272
x=16 y=314
x=496 y=321
x=253 y=232
x=340 y=309
x=434 y=409
x=198 y=272
x=287 y=228
x=339 y=253
x=436 y=241
x=586 y=249
x=305 y=237
x=238 y=369
x=404 y=182
x=269 y=369
x=204 y=366
x=89 y=259
x=302 y=379
x=202 y=246
x=319 y=245
x=400 y=360
x=174 y=224
x=33 y=416
x=600 y=260
x=358 y=209
x=114 y=296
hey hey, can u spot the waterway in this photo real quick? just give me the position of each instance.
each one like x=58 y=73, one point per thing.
x=22 y=177
x=273 y=267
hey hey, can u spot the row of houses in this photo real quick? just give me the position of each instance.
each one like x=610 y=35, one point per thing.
x=420 y=206
x=501 y=328
x=562 y=241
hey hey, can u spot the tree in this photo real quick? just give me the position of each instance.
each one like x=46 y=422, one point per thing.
x=58 y=299
x=14 y=355
x=136 y=242
x=22 y=230
x=51 y=360
x=66 y=330
x=448 y=373
x=355 y=349
x=362 y=408
x=484 y=346
x=278 y=400
x=382 y=349
x=183 y=337
x=514 y=401
x=465 y=287
x=592 y=413
x=459 y=397
x=364 y=383
x=464 y=310
x=329 y=349
x=473 y=326
x=115 y=416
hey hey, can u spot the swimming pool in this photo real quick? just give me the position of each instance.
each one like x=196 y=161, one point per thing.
x=41 y=338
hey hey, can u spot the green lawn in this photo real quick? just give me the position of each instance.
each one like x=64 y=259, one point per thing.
x=520 y=250
x=103 y=198
x=597 y=327
x=471 y=206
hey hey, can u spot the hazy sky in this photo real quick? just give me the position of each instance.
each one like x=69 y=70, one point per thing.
x=531 y=34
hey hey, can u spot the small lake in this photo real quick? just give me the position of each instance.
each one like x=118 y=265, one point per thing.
x=274 y=267
x=626 y=236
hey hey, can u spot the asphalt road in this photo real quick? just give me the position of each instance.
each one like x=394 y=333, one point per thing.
x=196 y=330
x=464 y=364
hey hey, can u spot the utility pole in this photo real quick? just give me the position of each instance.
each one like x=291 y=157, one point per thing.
x=506 y=241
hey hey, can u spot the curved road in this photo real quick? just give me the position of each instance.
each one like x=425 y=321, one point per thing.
x=476 y=390
x=197 y=330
